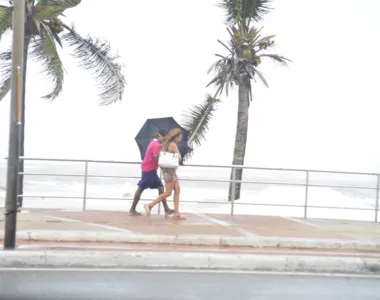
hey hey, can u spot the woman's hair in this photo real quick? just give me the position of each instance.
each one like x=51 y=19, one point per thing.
x=170 y=137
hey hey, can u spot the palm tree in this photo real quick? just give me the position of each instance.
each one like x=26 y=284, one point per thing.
x=45 y=31
x=239 y=13
x=246 y=50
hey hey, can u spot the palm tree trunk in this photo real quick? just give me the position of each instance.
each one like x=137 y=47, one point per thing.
x=20 y=186
x=240 y=139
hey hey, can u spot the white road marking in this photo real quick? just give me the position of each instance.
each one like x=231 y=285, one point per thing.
x=304 y=223
x=226 y=224
x=112 y=228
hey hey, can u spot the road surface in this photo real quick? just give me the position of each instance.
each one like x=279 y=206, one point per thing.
x=176 y=285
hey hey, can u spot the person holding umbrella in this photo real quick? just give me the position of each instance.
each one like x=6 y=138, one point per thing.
x=149 y=177
x=169 y=144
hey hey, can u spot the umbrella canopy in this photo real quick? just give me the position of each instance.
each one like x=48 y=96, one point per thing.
x=153 y=126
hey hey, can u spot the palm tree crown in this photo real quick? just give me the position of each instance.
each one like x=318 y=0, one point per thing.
x=246 y=50
x=45 y=30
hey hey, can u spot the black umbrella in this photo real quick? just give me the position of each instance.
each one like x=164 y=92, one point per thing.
x=153 y=126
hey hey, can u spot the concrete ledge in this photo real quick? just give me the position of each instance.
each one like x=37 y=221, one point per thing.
x=188 y=260
x=196 y=240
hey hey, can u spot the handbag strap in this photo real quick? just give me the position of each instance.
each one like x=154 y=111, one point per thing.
x=167 y=146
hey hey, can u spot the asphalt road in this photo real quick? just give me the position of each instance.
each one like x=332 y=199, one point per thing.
x=153 y=285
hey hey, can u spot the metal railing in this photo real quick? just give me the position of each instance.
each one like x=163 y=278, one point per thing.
x=233 y=180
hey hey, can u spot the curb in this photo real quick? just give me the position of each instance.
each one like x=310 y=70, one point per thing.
x=188 y=260
x=195 y=240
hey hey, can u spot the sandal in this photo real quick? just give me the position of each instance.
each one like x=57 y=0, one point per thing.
x=169 y=213
x=178 y=217
x=147 y=210
x=134 y=213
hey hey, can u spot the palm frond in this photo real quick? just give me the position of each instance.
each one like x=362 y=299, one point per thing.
x=43 y=2
x=259 y=74
x=226 y=70
x=225 y=46
x=245 y=10
x=216 y=80
x=57 y=38
x=47 y=9
x=95 y=55
x=188 y=155
x=5 y=19
x=5 y=73
x=256 y=9
x=264 y=39
x=215 y=66
x=283 y=61
x=53 y=33
x=45 y=51
x=198 y=118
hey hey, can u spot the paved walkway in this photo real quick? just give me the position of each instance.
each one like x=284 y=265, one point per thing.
x=197 y=224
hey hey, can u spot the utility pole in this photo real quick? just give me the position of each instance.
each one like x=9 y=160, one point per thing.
x=18 y=27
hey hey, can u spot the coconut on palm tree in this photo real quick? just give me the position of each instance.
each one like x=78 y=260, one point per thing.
x=46 y=29
x=246 y=51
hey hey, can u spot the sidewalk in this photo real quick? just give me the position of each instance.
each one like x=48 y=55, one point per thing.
x=211 y=230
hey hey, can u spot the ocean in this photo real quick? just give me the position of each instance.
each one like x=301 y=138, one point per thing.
x=212 y=196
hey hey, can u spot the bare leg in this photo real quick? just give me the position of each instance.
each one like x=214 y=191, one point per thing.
x=136 y=200
x=176 y=197
x=168 y=211
x=177 y=190
x=163 y=196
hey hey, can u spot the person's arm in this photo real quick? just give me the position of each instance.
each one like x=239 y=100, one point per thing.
x=156 y=151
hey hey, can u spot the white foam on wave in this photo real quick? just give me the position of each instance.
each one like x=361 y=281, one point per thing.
x=280 y=196
x=43 y=183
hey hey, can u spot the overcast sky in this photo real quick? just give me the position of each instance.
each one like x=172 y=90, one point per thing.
x=321 y=112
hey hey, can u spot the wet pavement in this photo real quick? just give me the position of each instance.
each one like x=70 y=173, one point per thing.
x=197 y=224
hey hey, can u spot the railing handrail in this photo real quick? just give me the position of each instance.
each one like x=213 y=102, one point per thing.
x=201 y=180
x=233 y=181
x=205 y=166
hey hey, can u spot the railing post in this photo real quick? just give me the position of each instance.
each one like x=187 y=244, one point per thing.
x=85 y=185
x=377 y=198
x=233 y=189
x=306 y=194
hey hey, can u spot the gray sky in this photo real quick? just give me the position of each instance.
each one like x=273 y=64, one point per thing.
x=321 y=112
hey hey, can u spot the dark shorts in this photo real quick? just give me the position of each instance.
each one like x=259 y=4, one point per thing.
x=150 y=180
